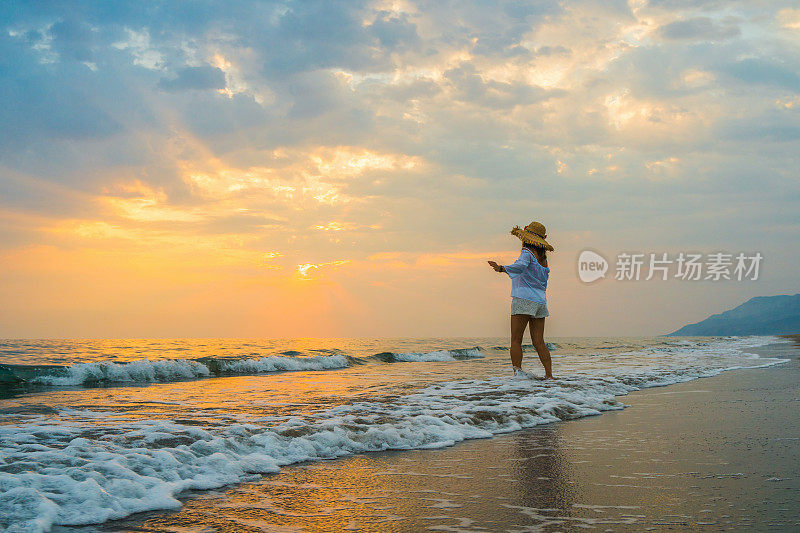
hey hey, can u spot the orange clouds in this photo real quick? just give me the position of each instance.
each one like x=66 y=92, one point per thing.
x=296 y=177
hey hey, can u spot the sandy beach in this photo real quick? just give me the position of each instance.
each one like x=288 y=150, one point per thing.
x=716 y=454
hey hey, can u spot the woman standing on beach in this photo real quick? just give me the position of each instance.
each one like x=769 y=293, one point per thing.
x=529 y=275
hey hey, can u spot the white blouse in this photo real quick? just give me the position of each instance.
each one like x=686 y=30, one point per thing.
x=528 y=277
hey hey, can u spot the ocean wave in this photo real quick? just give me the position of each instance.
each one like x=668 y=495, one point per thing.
x=170 y=370
x=434 y=356
x=63 y=473
x=283 y=364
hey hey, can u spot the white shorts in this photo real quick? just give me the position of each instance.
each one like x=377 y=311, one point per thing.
x=521 y=306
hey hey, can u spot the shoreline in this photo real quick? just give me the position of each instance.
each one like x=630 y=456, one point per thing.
x=619 y=471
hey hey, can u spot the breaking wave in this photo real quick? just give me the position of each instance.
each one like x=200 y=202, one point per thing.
x=169 y=370
x=427 y=357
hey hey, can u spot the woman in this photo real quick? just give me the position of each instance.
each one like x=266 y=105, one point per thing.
x=529 y=275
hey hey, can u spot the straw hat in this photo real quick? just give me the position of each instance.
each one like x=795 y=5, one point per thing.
x=533 y=234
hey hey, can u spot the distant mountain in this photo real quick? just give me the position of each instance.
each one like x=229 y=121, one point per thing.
x=762 y=315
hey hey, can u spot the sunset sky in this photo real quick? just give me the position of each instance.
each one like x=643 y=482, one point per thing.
x=285 y=169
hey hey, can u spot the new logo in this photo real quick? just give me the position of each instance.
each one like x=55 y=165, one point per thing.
x=591 y=266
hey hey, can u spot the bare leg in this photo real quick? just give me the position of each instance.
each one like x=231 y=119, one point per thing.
x=518 y=324
x=537 y=337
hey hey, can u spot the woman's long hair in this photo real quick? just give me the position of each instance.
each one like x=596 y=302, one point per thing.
x=540 y=253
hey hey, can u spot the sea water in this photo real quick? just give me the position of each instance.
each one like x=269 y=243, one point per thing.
x=96 y=430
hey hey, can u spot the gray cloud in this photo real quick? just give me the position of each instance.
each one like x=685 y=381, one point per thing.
x=50 y=101
x=197 y=78
x=698 y=28
x=315 y=35
x=395 y=32
x=780 y=127
x=73 y=38
x=471 y=87
x=217 y=116
x=765 y=71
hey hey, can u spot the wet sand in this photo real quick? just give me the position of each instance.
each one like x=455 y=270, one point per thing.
x=715 y=454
